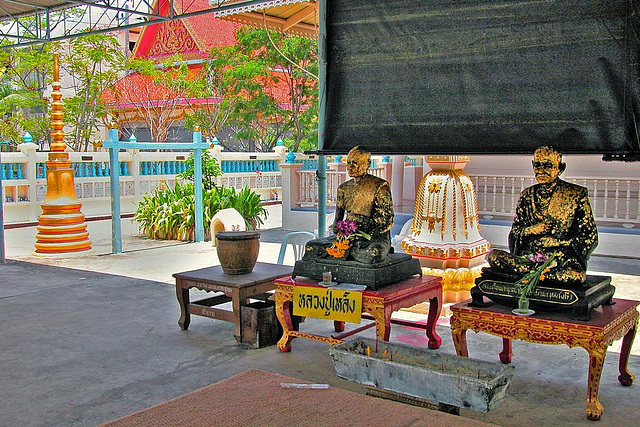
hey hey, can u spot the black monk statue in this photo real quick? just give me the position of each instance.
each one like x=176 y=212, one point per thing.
x=363 y=218
x=552 y=218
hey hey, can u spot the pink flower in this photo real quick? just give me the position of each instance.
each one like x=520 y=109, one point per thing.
x=538 y=257
x=346 y=227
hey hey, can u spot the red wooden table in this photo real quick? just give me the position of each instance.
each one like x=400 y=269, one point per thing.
x=608 y=323
x=377 y=305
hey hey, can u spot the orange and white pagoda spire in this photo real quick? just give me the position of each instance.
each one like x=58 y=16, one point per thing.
x=61 y=227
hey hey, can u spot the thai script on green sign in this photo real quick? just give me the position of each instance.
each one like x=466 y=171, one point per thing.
x=324 y=303
x=558 y=296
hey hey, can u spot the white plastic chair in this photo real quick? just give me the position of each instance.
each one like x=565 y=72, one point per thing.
x=298 y=240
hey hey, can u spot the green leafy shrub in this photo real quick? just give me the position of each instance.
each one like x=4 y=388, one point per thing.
x=169 y=213
x=210 y=170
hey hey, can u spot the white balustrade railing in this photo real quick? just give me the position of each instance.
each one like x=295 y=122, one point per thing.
x=309 y=185
x=612 y=200
x=24 y=184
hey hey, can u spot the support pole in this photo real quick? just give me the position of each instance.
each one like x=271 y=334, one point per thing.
x=322 y=110
x=114 y=178
x=397 y=180
x=197 y=185
x=2 y=255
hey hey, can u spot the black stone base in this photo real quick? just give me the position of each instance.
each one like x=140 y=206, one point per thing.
x=394 y=268
x=595 y=291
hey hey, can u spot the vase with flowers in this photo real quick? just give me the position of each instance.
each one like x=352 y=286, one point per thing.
x=346 y=235
x=543 y=264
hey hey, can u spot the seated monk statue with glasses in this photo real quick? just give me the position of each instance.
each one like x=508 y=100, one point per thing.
x=365 y=203
x=552 y=218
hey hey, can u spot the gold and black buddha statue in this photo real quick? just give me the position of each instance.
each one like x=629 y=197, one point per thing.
x=360 y=249
x=553 y=218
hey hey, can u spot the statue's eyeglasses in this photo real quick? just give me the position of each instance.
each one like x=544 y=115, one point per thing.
x=543 y=165
x=352 y=163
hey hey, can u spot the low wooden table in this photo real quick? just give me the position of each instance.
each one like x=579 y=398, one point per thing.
x=377 y=305
x=608 y=323
x=236 y=288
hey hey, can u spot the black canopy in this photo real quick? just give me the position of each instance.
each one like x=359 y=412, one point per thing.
x=482 y=76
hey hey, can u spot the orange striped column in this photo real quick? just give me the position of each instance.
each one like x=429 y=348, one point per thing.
x=61 y=227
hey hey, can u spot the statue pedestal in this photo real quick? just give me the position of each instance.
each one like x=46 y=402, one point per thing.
x=394 y=268
x=595 y=291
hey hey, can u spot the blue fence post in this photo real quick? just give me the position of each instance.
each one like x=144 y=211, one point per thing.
x=197 y=184
x=116 y=237
x=2 y=176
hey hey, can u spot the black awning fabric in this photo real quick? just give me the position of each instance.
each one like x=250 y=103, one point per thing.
x=482 y=77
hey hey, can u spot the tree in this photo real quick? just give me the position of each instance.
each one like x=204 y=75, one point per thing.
x=27 y=75
x=210 y=170
x=93 y=63
x=157 y=92
x=209 y=101
x=267 y=88
x=296 y=60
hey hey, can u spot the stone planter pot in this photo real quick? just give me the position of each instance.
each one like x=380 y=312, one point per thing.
x=426 y=374
x=238 y=250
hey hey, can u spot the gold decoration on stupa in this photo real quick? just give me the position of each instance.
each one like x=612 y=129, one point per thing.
x=61 y=227
x=445 y=233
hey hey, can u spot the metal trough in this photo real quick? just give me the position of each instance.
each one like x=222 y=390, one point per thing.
x=438 y=377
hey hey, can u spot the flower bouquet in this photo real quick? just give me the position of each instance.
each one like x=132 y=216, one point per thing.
x=529 y=281
x=346 y=232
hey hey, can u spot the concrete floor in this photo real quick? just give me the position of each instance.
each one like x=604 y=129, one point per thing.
x=85 y=340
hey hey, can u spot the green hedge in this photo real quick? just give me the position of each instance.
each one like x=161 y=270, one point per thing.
x=170 y=213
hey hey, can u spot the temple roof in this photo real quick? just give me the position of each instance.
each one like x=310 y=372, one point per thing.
x=136 y=89
x=191 y=37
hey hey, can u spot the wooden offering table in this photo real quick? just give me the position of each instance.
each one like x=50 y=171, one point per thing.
x=608 y=323
x=235 y=288
x=377 y=305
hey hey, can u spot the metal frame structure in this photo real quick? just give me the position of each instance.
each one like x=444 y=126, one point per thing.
x=114 y=146
x=28 y=22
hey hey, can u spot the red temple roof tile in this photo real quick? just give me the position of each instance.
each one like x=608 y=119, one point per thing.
x=193 y=38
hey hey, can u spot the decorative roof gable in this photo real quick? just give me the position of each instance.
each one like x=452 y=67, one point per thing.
x=170 y=38
x=191 y=37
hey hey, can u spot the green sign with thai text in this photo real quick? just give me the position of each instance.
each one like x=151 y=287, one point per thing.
x=327 y=303
x=540 y=293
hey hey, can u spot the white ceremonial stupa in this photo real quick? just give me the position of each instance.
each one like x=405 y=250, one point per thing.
x=445 y=233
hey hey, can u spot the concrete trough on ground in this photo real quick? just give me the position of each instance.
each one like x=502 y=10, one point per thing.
x=423 y=373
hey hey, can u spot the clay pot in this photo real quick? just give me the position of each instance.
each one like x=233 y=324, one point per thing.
x=238 y=250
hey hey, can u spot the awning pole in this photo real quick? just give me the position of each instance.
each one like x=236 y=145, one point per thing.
x=322 y=105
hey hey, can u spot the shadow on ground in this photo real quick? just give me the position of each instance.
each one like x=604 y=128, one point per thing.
x=81 y=348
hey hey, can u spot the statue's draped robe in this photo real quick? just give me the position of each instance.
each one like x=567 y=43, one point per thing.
x=366 y=200
x=565 y=208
